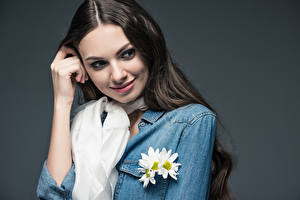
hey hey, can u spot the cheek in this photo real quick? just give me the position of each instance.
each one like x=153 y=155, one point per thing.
x=137 y=67
x=143 y=69
x=98 y=78
x=146 y=75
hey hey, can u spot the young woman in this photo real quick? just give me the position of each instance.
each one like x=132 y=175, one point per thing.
x=161 y=144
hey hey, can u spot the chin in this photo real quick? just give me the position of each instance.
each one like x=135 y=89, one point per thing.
x=127 y=99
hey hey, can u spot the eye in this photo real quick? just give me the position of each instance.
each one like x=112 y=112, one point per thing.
x=128 y=53
x=98 y=64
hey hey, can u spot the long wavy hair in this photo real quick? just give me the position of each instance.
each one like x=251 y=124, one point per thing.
x=167 y=87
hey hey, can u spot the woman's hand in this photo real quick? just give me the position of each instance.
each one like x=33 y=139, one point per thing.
x=62 y=69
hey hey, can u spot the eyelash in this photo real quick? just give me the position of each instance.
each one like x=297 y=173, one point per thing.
x=103 y=63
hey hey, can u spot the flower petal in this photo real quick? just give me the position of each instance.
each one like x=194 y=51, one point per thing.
x=150 y=151
x=173 y=157
x=169 y=152
x=151 y=173
x=143 y=178
x=144 y=164
x=143 y=170
x=157 y=151
x=165 y=175
x=144 y=156
x=173 y=176
x=146 y=183
x=152 y=180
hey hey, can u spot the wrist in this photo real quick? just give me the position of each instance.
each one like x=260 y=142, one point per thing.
x=62 y=104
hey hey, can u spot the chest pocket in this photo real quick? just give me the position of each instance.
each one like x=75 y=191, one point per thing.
x=130 y=186
x=130 y=167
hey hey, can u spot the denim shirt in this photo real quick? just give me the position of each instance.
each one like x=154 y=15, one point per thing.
x=188 y=130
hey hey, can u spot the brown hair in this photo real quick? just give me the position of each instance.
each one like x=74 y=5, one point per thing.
x=167 y=87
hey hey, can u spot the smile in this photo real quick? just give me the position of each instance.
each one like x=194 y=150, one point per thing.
x=126 y=88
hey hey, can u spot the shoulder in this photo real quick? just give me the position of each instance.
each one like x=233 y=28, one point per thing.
x=198 y=121
x=189 y=113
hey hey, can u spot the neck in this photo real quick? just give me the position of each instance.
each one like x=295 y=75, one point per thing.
x=134 y=119
x=135 y=116
x=132 y=106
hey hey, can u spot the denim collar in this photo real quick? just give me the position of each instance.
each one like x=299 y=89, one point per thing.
x=152 y=115
x=149 y=115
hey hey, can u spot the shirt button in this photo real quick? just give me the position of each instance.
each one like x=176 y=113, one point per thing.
x=142 y=123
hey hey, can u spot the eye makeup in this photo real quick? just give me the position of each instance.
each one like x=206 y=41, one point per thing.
x=130 y=51
x=126 y=55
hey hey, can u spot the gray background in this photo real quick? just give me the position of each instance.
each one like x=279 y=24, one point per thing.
x=243 y=56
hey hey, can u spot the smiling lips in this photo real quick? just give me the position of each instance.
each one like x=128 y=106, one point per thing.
x=126 y=87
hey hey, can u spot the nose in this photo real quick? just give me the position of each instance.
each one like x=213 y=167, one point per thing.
x=118 y=73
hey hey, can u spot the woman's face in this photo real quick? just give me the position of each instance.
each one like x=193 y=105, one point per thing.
x=112 y=62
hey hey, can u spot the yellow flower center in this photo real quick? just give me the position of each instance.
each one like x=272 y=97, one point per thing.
x=147 y=173
x=167 y=165
x=155 y=165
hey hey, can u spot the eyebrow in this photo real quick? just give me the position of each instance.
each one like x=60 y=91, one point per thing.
x=118 y=52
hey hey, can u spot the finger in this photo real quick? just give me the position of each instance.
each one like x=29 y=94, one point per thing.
x=81 y=76
x=63 y=52
x=64 y=63
x=60 y=55
x=74 y=66
x=78 y=74
x=69 y=50
x=67 y=61
x=85 y=75
x=73 y=70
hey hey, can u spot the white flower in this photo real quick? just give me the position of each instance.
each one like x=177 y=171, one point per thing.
x=148 y=176
x=150 y=164
x=158 y=162
x=167 y=164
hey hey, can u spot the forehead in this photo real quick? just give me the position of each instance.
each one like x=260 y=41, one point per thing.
x=104 y=41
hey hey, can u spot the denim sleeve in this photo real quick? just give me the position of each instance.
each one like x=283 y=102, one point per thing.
x=48 y=189
x=195 y=154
